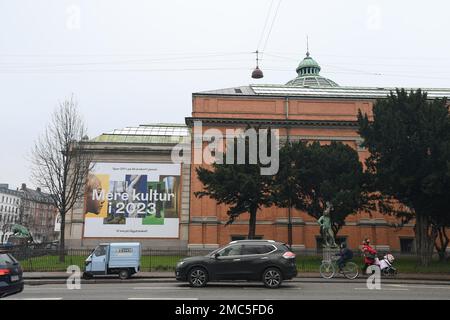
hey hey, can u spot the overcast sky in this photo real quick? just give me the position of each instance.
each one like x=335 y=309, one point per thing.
x=135 y=62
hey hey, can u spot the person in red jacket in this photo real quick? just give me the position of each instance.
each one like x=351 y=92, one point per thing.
x=369 y=254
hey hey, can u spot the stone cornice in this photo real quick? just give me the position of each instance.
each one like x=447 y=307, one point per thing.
x=272 y=122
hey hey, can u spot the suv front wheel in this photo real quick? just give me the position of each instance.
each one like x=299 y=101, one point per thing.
x=198 y=277
x=272 y=278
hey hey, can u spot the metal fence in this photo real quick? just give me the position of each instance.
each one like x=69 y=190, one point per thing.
x=45 y=258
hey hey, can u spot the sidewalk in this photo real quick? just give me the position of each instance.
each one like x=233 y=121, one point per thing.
x=170 y=276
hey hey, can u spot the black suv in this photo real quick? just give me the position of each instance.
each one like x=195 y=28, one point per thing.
x=10 y=275
x=254 y=260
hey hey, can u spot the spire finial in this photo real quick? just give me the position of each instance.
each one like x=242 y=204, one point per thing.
x=307 y=46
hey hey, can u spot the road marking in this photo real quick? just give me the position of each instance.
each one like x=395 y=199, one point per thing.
x=277 y=289
x=43 y=298
x=35 y=299
x=161 y=288
x=396 y=289
x=41 y=289
x=417 y=287
x=382 y=289
x=162 y=298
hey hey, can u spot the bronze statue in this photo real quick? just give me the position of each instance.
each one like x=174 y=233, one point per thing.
x=325 y=226
x=20 y=231
x=18 y=234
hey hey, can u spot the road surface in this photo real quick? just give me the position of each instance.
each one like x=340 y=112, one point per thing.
x=305 y=290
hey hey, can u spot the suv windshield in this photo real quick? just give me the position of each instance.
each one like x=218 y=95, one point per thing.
x=100 y=251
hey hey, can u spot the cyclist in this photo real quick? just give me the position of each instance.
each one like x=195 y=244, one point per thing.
x=345 y=254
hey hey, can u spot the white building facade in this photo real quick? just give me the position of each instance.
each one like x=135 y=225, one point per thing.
x=10 y=201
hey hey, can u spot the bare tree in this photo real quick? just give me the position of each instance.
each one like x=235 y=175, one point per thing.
x=60 y=164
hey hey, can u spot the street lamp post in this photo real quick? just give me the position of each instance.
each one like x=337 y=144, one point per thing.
x=290 y=181
x=289 y=225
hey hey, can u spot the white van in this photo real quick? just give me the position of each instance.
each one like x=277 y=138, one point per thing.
x=120 y=258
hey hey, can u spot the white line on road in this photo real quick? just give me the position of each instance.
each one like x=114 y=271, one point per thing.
x=160 y=288
x=43 y=289
x=382 y=289
x=281 y=288
x=162 y=298
x=417 y=287
x=35 y=299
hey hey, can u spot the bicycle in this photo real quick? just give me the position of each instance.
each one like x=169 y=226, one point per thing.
x=328 y=269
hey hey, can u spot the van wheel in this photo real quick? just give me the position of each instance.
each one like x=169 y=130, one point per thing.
x=124 y=274
x=272 y=278
x=198 y=277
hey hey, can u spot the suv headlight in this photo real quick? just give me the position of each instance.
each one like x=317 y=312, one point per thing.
x=179 y=264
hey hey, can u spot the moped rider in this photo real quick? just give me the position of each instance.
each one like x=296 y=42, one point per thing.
x=370 y=254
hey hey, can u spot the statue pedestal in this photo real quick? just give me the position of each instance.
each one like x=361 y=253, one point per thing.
x=329 y=253
x=17 y=241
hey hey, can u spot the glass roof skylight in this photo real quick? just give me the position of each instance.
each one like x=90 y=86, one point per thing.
x=153 y=130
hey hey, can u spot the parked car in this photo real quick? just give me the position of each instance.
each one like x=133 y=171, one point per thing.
x=11 y=280
x=119 y=258
x=253 y=260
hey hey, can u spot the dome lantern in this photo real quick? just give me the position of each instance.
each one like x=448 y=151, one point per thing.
x=308 y=74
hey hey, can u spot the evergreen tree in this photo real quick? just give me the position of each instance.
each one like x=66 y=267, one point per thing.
x=240 y=186
x=409 y=161
x=311 y=175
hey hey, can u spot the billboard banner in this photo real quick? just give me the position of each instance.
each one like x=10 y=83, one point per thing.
x=132 y=200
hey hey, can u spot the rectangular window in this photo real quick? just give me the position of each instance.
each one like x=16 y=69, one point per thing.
x=257 y=249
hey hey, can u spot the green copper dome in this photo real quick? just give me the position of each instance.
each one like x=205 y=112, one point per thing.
x=308 y=66
x=308 y=75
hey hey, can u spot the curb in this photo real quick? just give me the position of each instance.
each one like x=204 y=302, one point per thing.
x=38 y=282
x=114 y=280
x=171 y=275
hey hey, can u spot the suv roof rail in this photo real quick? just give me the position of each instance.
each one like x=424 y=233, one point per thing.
x=254 y=240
